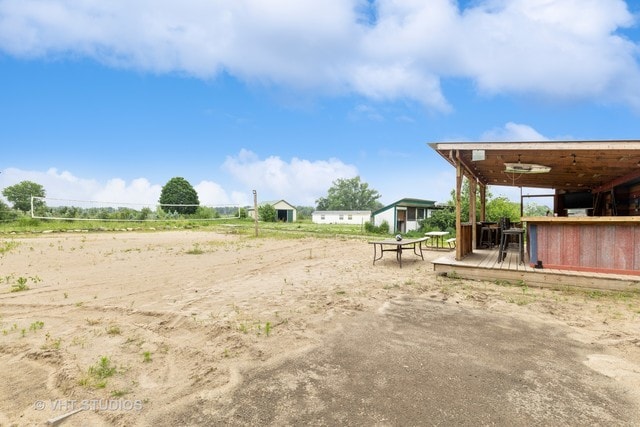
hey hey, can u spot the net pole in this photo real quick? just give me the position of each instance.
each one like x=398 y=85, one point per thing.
x=255 y=210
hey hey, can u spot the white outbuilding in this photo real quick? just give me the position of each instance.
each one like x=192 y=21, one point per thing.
x=341 y=217
x=404 y=215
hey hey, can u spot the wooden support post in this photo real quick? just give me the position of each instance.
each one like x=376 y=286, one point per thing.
x=472 y=210
x=459 y=176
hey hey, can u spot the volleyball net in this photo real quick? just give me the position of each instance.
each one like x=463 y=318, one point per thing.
x=91 y=210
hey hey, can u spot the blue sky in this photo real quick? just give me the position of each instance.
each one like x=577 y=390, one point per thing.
x=109 y=100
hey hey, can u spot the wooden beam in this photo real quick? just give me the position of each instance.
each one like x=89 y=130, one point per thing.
x=623 y=145
x=618 y=181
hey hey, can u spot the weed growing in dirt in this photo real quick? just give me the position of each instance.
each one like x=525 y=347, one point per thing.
x=267 y=328
x=79 y=341
x=97 y=374
x=119 y=393
x=20 y=285
x=36 y=325
x=7 y=246
x=114 y=330
x=51 y=343
x=146 y=357
x=195 y=250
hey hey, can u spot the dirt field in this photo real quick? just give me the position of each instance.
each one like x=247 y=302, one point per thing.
x=198 y=328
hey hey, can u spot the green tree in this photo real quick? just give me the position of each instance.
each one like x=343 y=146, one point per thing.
x=534 y=209
x=304 y=212
x=20 y=195
x=6 y=213
x=267 y=213
x=441 y=219
x=178 y=191
x=501 y=207
x=349 y=195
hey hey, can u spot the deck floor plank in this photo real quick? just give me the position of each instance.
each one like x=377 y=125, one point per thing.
x=483 y=264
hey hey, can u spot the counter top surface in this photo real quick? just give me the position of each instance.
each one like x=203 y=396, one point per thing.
x=581 y=219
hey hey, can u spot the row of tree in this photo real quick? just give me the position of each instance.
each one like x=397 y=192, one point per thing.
x=178 y=198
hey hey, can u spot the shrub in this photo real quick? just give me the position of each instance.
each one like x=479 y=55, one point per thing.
x=383 y=228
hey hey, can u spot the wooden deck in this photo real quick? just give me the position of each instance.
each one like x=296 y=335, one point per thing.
x=483 y=264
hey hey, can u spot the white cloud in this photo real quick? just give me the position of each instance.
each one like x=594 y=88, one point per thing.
x=66 y=189
x=57 y=185
x=513 y=132
x=556 y=48
x=212 y=194
x=139 y=190
x=560 y=49
x=298 y=181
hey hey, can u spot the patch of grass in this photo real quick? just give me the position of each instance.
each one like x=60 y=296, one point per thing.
x=103 y=368
x=195 y=250
x=453 y=275
x=98 y=373
x=113 y=330
x=36 y=325
x=52 y=343
x=146 y=357
x=7 y=246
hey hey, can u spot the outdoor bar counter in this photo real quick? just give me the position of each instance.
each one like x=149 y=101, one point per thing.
x=605 y=244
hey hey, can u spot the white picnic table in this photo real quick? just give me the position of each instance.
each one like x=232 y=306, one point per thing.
x=438 y=237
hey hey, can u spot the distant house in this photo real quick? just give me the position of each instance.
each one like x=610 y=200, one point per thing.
x=404 y=215
x=340 y=217
x=284 y=211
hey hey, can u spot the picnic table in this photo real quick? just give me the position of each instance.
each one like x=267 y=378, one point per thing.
x=397 y=246
x=438 y=238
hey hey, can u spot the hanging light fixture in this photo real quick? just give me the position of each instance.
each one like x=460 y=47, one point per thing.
x=525 y=167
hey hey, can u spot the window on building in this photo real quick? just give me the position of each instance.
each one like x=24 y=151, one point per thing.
x=411 y=214
x=349 y=217
x=341 y=217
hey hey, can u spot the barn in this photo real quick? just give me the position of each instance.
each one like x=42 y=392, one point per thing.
x=285 y=212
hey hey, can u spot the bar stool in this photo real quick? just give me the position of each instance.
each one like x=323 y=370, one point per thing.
x=504 y=243
x=486 y=239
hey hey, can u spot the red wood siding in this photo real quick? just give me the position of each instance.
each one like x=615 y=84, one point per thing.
x=596 y=247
